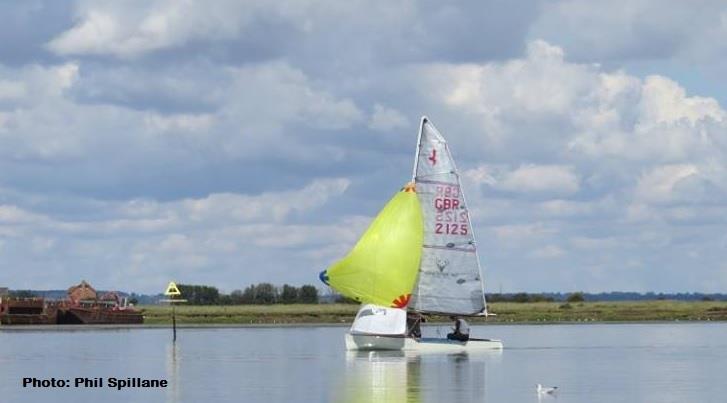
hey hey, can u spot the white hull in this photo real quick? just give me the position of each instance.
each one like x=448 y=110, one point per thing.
x=434 y=345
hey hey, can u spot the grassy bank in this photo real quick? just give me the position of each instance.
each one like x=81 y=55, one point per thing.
x=506 y=312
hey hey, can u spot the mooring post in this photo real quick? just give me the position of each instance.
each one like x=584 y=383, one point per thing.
x=174 y=323
x=174 y=298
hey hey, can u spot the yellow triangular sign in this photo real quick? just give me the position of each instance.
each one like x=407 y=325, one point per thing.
x=172 y=290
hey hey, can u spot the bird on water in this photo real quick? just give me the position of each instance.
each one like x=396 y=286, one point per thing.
x=546 y=390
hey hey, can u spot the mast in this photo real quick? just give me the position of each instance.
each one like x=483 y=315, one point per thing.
x=419 y=146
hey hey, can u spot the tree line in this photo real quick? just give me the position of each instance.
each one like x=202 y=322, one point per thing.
x=257 y=294
x=523 y=297
x=580 y=296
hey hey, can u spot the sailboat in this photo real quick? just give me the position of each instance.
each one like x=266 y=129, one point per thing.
x=418 y=254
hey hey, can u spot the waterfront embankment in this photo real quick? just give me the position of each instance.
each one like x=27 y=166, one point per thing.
x=507 y=312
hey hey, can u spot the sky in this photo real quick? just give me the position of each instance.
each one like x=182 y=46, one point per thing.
x=235 y=142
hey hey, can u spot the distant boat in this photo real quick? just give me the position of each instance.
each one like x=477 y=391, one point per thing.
x=82 y=306
x=25 y=311
x=420 y=254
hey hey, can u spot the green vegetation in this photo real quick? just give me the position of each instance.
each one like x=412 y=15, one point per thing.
x=576 y=297
x=521 y=297
x=200 y=294
x=22 y=294
x=507 y=312
x=252 y=314
x=626 y=311
x=256 y=294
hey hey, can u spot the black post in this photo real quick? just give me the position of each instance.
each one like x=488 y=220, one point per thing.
x=174 y=324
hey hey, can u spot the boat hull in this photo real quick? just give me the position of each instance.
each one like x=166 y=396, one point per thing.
x=99 y=316
x=26 y=311
x=365 y=342
x=20 y=319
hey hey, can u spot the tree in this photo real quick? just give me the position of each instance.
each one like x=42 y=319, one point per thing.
x=308 y=295
x=576 y=297
x=496 y=298
x=22 y=294
x=236 y=297
x=224 y=299
x=248 y=296
x=521 y=297
x=540 y=298
x=265 y=293
x=199 y=294
x=289 y=295
x=340 y=299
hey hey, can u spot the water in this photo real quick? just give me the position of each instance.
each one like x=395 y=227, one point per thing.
x=590 y=363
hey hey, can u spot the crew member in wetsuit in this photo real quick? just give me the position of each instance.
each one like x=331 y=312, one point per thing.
x=461 y=330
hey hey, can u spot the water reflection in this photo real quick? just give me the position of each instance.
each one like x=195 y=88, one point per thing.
x=410 y=377
x=173 y=394
x=670 y=363
x=380 y=376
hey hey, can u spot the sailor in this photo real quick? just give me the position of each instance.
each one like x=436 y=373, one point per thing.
x=461 y=330
x=413 y=322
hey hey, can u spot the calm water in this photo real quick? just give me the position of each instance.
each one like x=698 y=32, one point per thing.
x=590 y=363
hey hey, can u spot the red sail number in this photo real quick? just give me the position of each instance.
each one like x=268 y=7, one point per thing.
x=450 y=229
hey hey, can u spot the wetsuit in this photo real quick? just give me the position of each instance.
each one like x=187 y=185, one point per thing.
x=461 y=331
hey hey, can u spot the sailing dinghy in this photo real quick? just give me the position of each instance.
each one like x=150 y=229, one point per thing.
x=420 y=254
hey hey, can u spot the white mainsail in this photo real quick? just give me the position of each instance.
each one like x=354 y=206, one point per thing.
x=450 y=279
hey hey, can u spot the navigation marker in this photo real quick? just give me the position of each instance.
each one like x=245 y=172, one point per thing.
x=173 y=293
x=172 y=290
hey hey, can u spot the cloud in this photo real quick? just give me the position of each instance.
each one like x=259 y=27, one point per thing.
x=586 y=152
x=548 y=252
x=263 y=112
x=536 y=180
x=195 y=239
x=621 y=30
x=26 y=25
x=108 y=28
x=267 y=207
x=386 y=119
x=11 y=90
x=661 y=183
x=387 y=32
x=10 y=214
x=244 y=140
x=665 y=102
x=546 y=178
x=522 y=232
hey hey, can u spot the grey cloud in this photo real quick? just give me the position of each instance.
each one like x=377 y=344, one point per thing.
x=642 y=29
x=361 y=32
x=105 y=138
x=180 y=239
x=189 y=88
x=25 y=27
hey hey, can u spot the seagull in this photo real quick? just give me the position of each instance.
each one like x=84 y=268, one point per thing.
x=546 y=390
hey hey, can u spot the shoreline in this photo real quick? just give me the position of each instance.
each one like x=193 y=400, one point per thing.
x=341 y=315
x=507 y=312
x=209 y=326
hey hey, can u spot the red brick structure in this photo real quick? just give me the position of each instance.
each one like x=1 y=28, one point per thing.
x=81 y=292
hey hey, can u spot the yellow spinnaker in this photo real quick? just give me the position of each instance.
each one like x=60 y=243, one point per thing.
x=382 y=268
